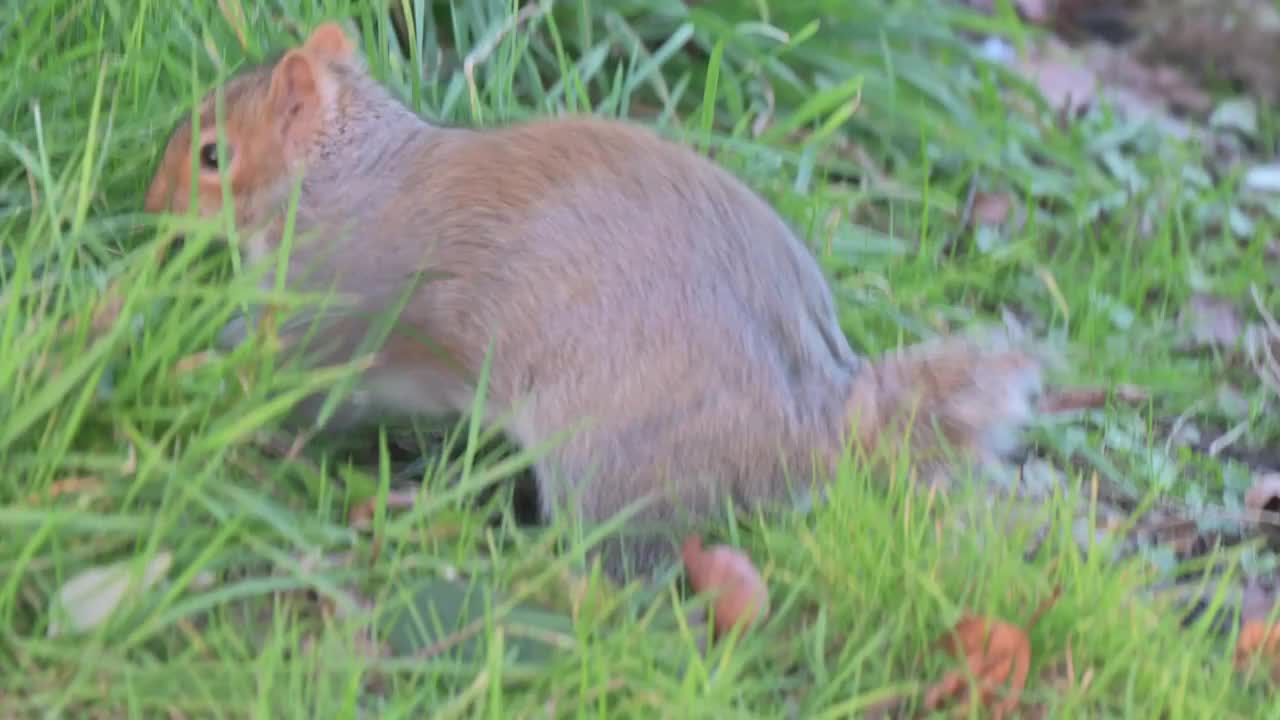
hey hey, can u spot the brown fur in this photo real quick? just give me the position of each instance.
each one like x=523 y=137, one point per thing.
x=628 y=288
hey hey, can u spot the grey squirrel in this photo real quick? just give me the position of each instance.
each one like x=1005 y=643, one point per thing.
x=631 y=294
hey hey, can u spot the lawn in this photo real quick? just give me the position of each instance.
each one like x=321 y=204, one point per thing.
x=261 y=577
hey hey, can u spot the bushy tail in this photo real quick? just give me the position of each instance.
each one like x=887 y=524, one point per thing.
x=950 y=399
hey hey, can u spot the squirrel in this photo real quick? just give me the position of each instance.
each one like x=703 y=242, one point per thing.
x=645 y=317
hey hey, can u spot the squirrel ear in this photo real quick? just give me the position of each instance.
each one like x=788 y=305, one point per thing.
x=329 y=40
x=294 y=82
x=298 y=98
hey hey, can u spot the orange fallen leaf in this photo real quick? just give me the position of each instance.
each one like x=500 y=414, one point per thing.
x=1259 y=640
x=741 y=596
x=995 y=652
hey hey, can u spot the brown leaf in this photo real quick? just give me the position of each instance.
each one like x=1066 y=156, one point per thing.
x=1062 y=675
x=991 y=208
x=1259 y=640
x=1141 y=91
x=1232 y=43
x=741 y=596
x=105 y=313
x=1181 y=92
x=71 y=485
x=1088 y=398
x=192 y=362
x=995 y=652
x=1066 y=84
x=1262 y=502
x=361 y=514
x=108 y=310
x=1035 y=11
x=1210 y=321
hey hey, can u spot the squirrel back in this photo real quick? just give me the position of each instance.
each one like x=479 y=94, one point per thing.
x=647 y=315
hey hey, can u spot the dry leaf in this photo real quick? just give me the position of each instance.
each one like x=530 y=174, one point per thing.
x=995 y=652
x=1210 y=320
x=1262 y=502
x=1262 y=641
x=76 y=484
x=1034 y=11
x=991 y=208
x=361 y=514
x=1142 y=91
x=576 y=587
x=192 y=362
x=1063 y=677
x=1232 y=43
x=1257 y=600
x=88 y=599
x=1066 y=84
x=108 y=310
x=1089 y=398
x=740 y=595
x=105 y=312
x=1180 y=90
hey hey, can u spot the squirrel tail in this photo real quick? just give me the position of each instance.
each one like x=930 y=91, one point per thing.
x=945 y=399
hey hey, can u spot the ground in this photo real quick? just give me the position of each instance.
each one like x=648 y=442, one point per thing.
x=949 y=170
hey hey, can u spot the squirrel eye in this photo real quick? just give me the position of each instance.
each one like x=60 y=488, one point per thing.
x=209 y=156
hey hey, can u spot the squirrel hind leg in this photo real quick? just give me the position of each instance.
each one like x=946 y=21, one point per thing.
x=977 y=395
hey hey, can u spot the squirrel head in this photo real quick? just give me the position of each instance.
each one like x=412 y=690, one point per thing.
x=274 y=117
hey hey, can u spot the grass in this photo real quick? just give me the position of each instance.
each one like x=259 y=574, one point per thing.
x=122 y=441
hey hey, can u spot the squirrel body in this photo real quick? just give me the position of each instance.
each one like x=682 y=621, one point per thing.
x=646 y=315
